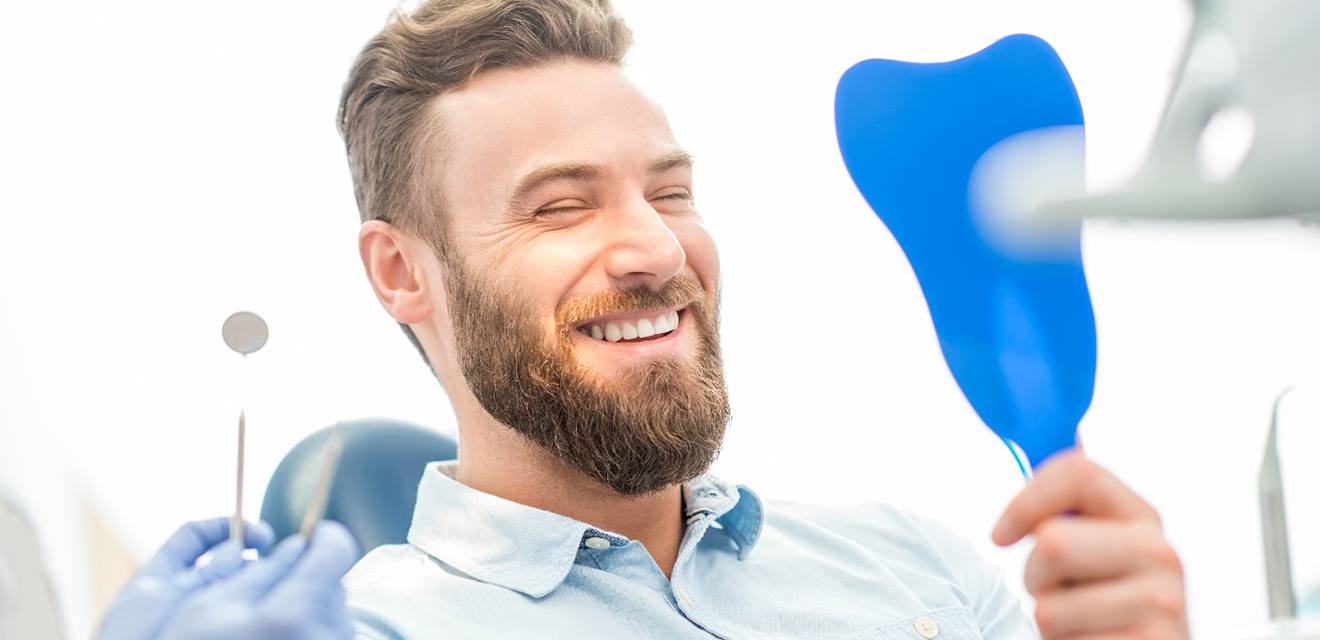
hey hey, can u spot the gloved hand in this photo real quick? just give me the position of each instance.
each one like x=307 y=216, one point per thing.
x=293 y=592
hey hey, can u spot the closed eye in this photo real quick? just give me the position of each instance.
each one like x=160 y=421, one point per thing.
x=554 y=210
x=568 y=206
x=673 y=202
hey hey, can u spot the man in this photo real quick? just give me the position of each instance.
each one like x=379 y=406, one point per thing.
x=530 y=221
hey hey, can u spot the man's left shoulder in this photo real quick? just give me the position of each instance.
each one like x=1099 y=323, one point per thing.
x=861 y=520
x=898 y=537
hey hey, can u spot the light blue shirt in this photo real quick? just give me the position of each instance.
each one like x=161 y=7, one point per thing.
x=480 y=566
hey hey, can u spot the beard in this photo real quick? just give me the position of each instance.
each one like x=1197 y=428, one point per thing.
x=659 y=423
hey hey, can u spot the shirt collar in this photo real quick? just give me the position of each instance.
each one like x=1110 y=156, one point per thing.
x=531 y=550
x=735 y=507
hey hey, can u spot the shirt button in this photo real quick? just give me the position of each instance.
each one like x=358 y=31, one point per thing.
x=926 y=627
x=596 y=542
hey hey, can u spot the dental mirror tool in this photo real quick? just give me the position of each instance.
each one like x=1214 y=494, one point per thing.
x=245 y=332
x=321 y=495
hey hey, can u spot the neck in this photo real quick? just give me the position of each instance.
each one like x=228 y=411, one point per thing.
x=494 y=459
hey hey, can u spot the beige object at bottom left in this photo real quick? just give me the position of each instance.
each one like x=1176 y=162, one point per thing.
x=27 y=599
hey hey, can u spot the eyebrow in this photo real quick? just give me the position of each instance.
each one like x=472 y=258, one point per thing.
x=675 y=160
x=585 y=172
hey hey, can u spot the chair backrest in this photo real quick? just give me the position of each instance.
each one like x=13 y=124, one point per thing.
x=375 y=484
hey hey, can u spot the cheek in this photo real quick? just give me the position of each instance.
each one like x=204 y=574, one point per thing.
x=702 y=256
x=542 y=274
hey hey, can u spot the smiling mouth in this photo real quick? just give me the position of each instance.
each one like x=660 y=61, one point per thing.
x=632 y=329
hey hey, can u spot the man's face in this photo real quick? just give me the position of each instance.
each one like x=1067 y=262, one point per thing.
x=581 y=283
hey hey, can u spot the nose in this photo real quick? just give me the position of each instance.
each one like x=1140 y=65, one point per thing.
x=643 y=250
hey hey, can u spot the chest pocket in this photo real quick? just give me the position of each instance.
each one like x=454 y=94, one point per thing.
x=953 y=623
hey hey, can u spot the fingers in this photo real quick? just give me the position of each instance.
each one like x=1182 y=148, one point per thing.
x=226 y=560
x=195 y=538
x=313 y=584
x=1079 y=550
x=1105 y=608
x=297 y=567
x=188 y=544
x=258 y=536
x=1069 y=483
x=1101 y=567
x=329 y=556
x=258 y=578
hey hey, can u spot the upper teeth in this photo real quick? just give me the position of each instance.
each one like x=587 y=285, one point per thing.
x=616 y=330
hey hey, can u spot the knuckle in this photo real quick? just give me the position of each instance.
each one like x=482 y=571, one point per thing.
x=1154 y=516
x=1080 y=467
x=1166 y=602
x=1034 y=578
x=1052 y=542
x=1175 y=567
x=1155 y=549
x=1048 y=618
x=1086 y=474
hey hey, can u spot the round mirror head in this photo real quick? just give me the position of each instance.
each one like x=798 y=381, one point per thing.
x=245 y=332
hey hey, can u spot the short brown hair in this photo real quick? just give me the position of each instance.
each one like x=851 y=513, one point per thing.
x=437 y=48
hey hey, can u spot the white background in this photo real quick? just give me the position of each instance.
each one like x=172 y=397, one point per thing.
x=168 y=163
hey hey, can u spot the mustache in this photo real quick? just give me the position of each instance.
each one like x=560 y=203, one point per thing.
x=677 y=291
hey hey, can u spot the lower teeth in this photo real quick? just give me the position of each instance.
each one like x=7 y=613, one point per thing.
x=650 y=337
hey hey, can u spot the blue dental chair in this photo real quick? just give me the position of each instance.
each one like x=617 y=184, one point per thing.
x=375 y=483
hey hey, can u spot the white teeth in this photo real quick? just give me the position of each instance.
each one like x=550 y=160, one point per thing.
x=627 y=330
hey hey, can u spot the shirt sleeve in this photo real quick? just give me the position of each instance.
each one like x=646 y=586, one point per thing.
x=997 y=608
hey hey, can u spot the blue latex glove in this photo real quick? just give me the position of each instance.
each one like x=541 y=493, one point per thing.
x=293 y=592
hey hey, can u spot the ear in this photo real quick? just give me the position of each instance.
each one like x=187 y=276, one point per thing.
x=396 y=267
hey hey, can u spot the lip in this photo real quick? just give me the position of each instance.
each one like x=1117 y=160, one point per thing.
x=642 y=348
x=630 y=315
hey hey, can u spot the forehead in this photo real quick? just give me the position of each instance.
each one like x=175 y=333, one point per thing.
x=508 y=122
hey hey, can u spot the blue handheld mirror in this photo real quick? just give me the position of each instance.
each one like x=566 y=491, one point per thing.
x=1015 y=324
